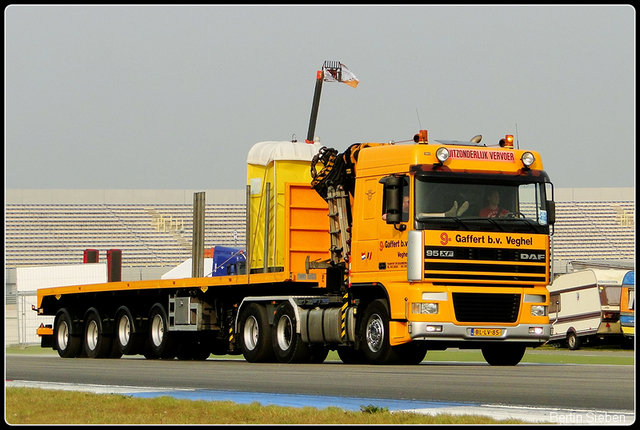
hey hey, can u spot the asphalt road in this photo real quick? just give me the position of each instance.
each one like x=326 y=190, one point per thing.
x=603 y=387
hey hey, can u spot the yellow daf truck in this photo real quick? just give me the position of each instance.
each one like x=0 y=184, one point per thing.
x=381 y=252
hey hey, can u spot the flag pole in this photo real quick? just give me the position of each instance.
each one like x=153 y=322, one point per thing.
x=332 y=71
x=314 y=106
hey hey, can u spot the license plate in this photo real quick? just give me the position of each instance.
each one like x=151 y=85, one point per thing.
x=486 y=332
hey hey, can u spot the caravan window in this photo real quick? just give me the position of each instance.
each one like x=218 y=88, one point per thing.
x=610 y=296
x=631 y=299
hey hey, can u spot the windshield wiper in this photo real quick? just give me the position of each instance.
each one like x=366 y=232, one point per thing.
x=527 y=221
x=491 y=220
x=443 y=221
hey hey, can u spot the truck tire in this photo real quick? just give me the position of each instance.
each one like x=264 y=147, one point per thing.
x=67 y=345
x=375 y=335
x=96 y=343
x=503 y=354
x=126 y=340
x=411 y=353
x=573 y=341
x=287 y=344
x=161 y=343
x=254 y=334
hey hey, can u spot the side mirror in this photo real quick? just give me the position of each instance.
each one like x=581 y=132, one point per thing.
x=393 y=198
x=551 y=212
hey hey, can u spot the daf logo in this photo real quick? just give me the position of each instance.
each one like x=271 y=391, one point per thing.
x=534 y=257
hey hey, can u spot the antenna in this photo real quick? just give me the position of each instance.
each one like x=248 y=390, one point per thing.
x=517 y=141
x=418 y=115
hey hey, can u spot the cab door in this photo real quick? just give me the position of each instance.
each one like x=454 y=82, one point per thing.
x=367 y=217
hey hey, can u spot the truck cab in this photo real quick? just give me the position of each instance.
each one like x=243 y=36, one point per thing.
x=449 y=275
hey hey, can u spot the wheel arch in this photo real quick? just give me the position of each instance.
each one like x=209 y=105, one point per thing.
x=370 y=292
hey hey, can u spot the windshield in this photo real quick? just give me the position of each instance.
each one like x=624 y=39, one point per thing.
x=506 y=205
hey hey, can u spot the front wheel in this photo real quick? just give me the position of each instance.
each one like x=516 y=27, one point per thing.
x=504 y=354
x=375 y=335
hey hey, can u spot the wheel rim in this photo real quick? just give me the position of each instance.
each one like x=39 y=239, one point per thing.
x=92 y=335
x=63 y=335
x=124 y=330
x=375 y=333
x=284 y=332
x=251 y=333
x=157 y=330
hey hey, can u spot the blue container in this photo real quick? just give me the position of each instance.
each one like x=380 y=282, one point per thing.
x=227 y=260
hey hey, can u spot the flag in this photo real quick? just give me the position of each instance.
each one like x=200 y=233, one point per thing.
x=342 y=74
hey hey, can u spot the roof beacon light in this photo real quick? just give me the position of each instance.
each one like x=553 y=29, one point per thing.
x=507 y=142
x=421 y=137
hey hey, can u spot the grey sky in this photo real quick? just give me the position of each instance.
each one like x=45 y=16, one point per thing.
x=131 y=97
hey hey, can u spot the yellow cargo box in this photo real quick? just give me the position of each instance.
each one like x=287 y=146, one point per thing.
x=272 y=165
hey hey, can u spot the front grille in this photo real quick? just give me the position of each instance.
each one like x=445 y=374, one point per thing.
x=467 y=265
x=486 y=308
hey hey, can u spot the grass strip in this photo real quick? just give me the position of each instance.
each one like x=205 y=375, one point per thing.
x=36 y=406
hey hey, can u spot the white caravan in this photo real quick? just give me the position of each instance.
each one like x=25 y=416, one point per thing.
x=585 y=307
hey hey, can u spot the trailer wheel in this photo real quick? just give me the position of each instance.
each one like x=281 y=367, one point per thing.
x=287 y=344
x=126 y=340
x=375 y=335
x=504 y=354
x=573 y=341
x=96 y=343
x=67 y=345
x=254 y=334
x=161 y=342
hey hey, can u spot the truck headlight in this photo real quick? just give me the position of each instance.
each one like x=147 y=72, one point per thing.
x=538 y=310
x=442 y=154
x=424 y=308
x=527 y=159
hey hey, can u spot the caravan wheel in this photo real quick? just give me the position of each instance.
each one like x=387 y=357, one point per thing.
x=573 y=341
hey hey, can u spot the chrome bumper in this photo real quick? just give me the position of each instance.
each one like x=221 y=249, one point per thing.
x=452 y=332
